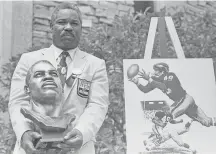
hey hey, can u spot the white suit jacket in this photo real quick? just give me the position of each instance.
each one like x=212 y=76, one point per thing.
x=86 y=96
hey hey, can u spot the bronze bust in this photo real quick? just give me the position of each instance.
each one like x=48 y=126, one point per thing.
x=44 y=87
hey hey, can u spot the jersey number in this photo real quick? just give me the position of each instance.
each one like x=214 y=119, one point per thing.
x=169 y=78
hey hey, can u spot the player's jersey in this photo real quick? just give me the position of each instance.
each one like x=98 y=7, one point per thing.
x=174 y=89
x=157 y=128
x=169 y=84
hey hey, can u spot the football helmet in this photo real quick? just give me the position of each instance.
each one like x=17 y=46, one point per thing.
x=160 y=114
x=161 y=67
x=159 y=119
x=160 y=70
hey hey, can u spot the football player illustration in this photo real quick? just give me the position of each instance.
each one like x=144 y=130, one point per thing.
x=170 y=85
x=160 y=134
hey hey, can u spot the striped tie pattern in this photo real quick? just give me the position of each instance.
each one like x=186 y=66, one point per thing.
x=62 y=66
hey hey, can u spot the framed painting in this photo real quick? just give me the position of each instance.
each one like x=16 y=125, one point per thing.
x=170 y=106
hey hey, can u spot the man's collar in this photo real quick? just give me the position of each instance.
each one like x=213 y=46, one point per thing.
x=58 y=51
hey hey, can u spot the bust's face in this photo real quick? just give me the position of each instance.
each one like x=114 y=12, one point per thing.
x=44 y=83
x=66 y=29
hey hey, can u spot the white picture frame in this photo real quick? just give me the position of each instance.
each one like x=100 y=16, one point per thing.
x=198 y=79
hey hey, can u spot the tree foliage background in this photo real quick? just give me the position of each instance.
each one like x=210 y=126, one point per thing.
x=124 y=39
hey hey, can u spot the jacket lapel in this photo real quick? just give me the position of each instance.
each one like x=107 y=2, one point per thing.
x=48 y=54
x=75 y=69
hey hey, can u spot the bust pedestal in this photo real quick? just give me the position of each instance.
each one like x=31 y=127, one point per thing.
x=52 y=129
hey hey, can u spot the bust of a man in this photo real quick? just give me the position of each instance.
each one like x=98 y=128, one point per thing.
x=45 y=90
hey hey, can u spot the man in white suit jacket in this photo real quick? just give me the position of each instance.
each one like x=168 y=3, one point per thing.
x=85 y=92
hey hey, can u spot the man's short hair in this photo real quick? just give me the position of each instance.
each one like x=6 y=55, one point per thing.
x=65 y=5
x=30 y=71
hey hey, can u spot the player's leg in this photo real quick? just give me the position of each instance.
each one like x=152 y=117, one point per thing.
x=182 y=107
x=151 y=135
x=150 y=143
x=149 y=140
x=198 y=114
x=186 y=128
x=176 y=138
x=146 y=141
x=150 y=146
x=155 y=142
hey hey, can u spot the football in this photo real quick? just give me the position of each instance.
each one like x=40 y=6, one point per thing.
x=132 y=71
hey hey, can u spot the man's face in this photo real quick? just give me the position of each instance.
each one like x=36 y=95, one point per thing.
x=66 y=29
x=45 y=83
x=158 y=73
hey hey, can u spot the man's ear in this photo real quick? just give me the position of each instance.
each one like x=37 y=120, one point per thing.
x=26 y=88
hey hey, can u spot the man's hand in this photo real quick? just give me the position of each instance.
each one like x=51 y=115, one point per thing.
x=73 y=141
x=27 y=141
x=144 y=75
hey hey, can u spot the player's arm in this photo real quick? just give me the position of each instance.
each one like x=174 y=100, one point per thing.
x=147 y=88
x=158 y=122
x=152 y=84
x=144 y=88
x=157 y=84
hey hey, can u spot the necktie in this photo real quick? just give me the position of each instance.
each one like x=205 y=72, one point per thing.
x=62 y=66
